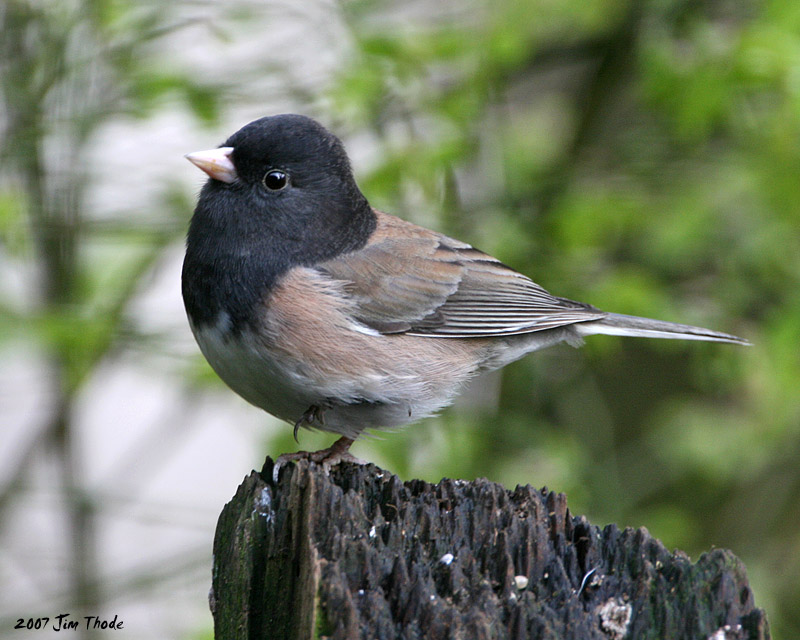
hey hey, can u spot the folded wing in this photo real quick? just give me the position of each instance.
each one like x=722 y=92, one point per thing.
x=411 y=280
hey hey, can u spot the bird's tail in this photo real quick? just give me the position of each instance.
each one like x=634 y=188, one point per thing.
x=617 y=324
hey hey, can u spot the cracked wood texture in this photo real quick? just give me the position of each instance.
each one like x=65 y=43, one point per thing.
x=360 y=554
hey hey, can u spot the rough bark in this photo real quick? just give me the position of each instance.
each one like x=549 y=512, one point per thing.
x=360 y=554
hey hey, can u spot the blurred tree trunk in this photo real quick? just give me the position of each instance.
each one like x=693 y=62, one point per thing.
x=38 y=82
x=65 y=68
x=360 y=554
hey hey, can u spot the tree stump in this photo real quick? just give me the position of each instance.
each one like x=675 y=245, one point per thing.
x=360 y=554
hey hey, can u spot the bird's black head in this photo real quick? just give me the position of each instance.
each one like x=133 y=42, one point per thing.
x=281 y=194
x=312 y=159
x=292 y=175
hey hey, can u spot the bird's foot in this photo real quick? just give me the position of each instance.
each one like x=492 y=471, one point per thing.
x=333 y=455
x=315 y=413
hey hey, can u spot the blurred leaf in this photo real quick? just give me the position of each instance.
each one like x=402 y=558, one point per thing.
x=14 y=236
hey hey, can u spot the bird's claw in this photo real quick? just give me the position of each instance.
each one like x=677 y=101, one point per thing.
x=314 y=413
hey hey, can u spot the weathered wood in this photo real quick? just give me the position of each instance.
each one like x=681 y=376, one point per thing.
x=360 y=554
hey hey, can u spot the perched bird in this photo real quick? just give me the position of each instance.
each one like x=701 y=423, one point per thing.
x=332 y=315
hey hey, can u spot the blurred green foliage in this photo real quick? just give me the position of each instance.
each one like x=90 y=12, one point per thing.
x=66 y=69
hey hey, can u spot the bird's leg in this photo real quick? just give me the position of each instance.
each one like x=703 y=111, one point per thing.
x=336 y=453
x=333 y=455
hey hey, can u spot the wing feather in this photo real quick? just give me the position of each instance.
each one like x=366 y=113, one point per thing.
x=411 y=280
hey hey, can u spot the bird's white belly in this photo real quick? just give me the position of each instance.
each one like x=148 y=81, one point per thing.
x=348 y=405
x=254 y=375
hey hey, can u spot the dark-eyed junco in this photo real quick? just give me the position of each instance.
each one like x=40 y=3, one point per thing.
x=330 y=314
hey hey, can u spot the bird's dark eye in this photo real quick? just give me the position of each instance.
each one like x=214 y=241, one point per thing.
x=275 y=180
